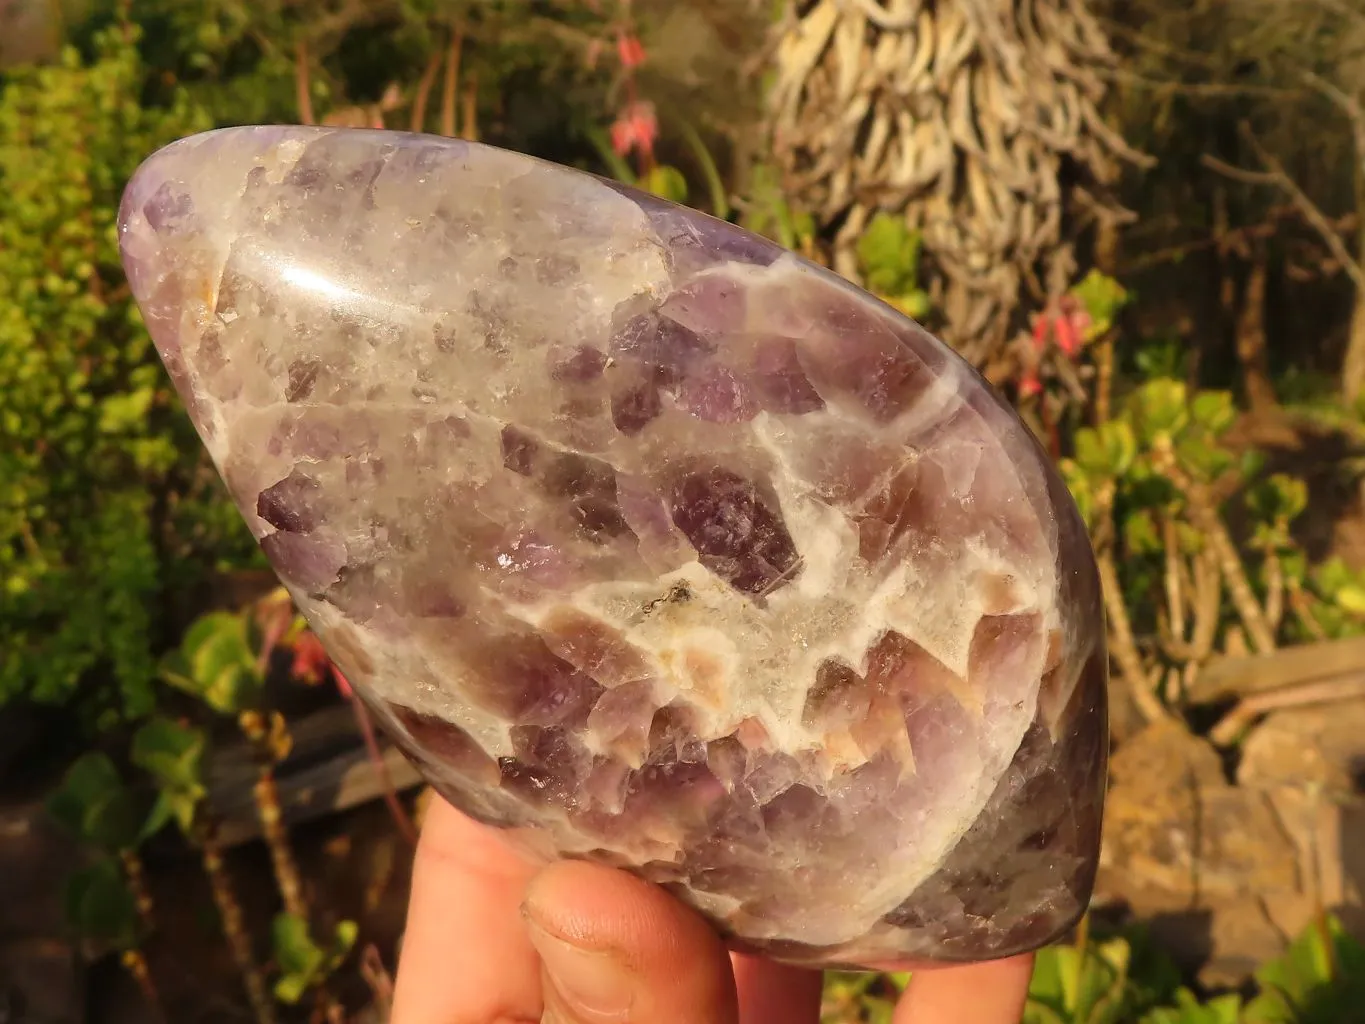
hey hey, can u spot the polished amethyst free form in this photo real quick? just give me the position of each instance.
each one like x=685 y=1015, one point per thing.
x=648 y=541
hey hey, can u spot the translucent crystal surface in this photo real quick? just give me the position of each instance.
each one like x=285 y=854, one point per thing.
x=648 y=540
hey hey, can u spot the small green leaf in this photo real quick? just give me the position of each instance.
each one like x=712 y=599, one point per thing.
x=290 y=988
x=93 y=803
x=1158 y=408
x=295 y=950
x=915 y=304
x=343 y=941
x=666 y=182
x=216 y=663
x=173 y=755
x=1107 y=452
x=1102 y=298
x=100 y=906
x=1140 y=534
x=1332 y=575
x=1214 y=411
x=1301 y=987
x=1082 y=491
x=888 y=254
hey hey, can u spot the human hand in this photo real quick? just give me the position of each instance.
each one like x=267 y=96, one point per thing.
x=493 y=939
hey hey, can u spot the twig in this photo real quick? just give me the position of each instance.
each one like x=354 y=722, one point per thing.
x=469 y=110
x=1208 y=588
x=451 y=80
x=1349 y=106
x=234 y=927
x=134 y=871
x=1125 y=647
x=303 y=95
x=1232 y=239
x=258 y=731
x=1276 y=176
x=1204 y=514
x=1330 y=691
x=378 y=978
x=1175 y=599
x=1274 y=590
x=135 y=963
x=1303 y=610
x=424 y=84
x=362 y=719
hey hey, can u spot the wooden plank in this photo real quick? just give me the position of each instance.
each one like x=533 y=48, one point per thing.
x=328 y=771
x=1230 y=678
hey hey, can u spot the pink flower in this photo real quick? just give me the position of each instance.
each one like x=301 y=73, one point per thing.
x=310 y=661
x=629 y=50
x=635 y=128
x=1064 y=323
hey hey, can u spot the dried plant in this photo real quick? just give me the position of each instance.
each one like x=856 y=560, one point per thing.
x=979 y=120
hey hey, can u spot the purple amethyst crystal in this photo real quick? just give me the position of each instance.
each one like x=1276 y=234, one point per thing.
x=644 y=537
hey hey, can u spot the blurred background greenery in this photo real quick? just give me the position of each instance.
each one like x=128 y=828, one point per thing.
x=1142 y=219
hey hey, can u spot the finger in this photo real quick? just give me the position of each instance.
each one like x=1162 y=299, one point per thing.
x=988 y=993
x=617 y=950
x=466 y=958
x=771 y=993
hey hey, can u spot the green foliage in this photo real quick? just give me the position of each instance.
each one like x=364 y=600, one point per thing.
x=173 y=754
x=1319 y=980
x=889 y=256
x=1160 y=420
x=95 y=805
x=1341 y=590
x=93 y=439
x=1225 y=1009
x=1088 y=985
x=665 y=182
x=216 y=663
x=1103 y=298
x=302 y=963
x=767 y=211
x=100 y=906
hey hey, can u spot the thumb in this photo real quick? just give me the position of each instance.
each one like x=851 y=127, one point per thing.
x=618 y=950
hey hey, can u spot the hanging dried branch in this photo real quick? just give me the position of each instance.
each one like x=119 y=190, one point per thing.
x=1275 y=175
x=962 y=114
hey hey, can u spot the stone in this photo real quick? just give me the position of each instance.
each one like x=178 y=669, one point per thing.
x=1227 y=875
x=1309 y=762
x=649 y=541
x=1175 y=823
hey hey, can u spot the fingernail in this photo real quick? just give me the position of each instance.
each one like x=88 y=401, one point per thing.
x=592 y=983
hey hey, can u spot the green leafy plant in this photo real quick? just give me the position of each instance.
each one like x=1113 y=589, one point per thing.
x=767 y=211
x=108 y=901
x=1224 y=1009
x=216 y=664
x=1320 y=979
x=172 y=753
x=1086 y=984
x=1102 y=298
x=94 y=443
x=223 y=661
x=101 y=906
x=889 y=258
x=95 y=805
x=303 y=964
